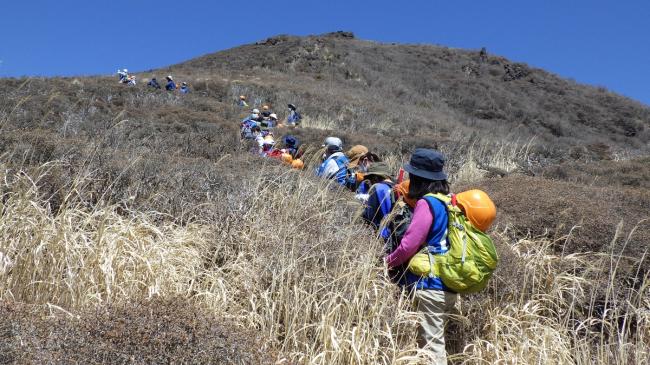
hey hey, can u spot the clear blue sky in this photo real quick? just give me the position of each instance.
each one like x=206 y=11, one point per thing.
x=598 y=42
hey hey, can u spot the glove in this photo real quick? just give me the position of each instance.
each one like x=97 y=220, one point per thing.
x=359 y=176
x=362 y=197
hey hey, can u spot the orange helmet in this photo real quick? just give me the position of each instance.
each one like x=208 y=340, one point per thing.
x=297 y=164
x=287 y=158
x=478 y=208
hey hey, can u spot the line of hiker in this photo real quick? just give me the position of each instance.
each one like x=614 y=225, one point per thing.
x=170 y=84
x=434 y=241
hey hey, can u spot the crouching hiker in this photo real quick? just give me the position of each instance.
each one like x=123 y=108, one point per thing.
x=360 y=159
x=171 y=85
x=380 y=197
x=153 y=83
x=433 y=300
x=335 y=163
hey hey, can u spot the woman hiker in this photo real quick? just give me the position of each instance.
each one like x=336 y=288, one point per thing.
x=433 y=301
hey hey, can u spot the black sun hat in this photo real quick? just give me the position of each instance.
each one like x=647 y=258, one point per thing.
x=427 y=164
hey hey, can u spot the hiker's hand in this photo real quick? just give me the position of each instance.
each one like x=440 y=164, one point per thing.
x=359 y=176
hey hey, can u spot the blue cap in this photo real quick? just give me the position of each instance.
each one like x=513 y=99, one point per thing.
x=427 y=164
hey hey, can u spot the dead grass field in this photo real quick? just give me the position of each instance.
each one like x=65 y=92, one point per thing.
x=135 y=228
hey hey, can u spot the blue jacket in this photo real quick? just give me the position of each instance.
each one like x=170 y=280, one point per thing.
x=338 y=171
x=294 y=117
x=171 y=86
x=380 y=203
x=436 y=244
x=185 y=89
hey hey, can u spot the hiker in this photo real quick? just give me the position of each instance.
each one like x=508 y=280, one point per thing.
x=171 y=85
x=335 y=163
x=433 y=300
x=267 y=144
x=123 y=75
x=294 y=118
x=273 y=120
x=130 y=81
x=266 y=111
x=291 y=145
x=380 y=197
x=184 y=88
x=360 y=158
x=247 y=129
x=154 y=83
x=483 y=55
x=254 y=115
x=242 y=101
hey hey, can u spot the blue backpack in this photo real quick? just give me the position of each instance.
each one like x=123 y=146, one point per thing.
x=342 y=173
x=247 y=129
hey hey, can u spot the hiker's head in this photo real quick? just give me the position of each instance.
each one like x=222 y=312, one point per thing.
x=426 y=173
x=355 y=153
x=291 y=107
x=290 y=141
x=368 y=159
x=332 y=145
x=242 y=97
x=378 y=172
x=265 y=107
x=255 y=111
x=273 y=116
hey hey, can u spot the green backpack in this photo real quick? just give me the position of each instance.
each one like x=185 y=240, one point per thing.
x=471 y=259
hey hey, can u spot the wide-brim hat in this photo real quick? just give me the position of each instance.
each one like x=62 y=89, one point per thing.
x=427 y=164
x=380 y=169
x=355 y=153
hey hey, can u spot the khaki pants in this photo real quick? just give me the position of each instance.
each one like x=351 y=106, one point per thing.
x=433 y=306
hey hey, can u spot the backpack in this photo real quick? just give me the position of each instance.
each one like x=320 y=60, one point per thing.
x=247 y=129
x=471 y=259
x=385 y=206
x=397 y=222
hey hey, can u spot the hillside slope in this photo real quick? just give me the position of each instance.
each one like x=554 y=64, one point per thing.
x=134 y=220
x=421 y=88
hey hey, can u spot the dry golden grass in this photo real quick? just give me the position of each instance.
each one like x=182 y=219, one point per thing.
x=290 y=262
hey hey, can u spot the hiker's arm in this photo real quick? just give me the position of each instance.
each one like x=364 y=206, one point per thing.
x=416 y=234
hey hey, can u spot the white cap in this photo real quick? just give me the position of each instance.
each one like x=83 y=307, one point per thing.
x=125 y=70
x=333 y=142
x=273 y=116
x=256 y=111
x=169 y=77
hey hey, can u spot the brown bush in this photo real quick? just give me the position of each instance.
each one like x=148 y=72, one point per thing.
x=538 y=206
x=157 y=331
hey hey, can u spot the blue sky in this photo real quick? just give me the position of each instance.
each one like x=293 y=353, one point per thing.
x=603 y=43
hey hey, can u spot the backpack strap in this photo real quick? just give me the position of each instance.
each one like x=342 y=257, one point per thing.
x=341 y=162
x=438 y=206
